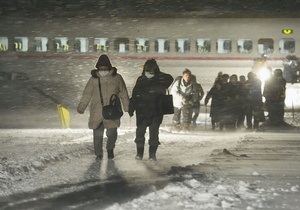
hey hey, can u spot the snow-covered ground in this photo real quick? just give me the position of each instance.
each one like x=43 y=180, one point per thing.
x=201 y=169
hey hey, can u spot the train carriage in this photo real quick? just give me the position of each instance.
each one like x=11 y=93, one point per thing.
x=216 y=44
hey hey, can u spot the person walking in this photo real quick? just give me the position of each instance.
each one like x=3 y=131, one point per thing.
x=242 y=101
x=105 y=77
x=145 y=102
x=254 y=104
x=274 y=93
x=184 y=93
x=199 y=93
x=218 y=99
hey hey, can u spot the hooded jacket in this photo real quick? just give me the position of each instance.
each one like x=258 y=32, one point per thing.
x=112 y=83
x=146 y=95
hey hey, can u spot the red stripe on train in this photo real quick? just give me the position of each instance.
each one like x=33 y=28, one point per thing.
x=83 y=57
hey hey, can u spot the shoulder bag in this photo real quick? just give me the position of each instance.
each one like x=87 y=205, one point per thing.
x=113 y=111
x=166 y=104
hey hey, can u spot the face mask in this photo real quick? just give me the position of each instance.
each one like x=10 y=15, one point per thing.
x=148 y=75
x=103 y=73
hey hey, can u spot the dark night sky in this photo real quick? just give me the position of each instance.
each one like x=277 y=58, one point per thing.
x=153 y=8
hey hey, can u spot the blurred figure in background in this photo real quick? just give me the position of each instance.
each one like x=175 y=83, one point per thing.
x=185 y=95
x=274 y=93
x=254 y=102
x=218 y=98
x=199 y=93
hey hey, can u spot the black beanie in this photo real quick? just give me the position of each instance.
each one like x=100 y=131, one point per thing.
x=103 y=61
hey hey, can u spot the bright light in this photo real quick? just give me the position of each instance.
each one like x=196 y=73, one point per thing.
x=292 y=97
x=264 y=74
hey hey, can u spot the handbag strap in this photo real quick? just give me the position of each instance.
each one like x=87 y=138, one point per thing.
x=101 y=97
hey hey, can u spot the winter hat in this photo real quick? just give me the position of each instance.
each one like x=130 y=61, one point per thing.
x=151 y=66
x=103 y=61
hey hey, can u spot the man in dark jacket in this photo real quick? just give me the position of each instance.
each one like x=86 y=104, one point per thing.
x=218 y=98
x=254 y=104
x=274 y=93
x=145 y=101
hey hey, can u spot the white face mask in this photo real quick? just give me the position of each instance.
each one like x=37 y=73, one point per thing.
x=103 y=73
x=148 y=75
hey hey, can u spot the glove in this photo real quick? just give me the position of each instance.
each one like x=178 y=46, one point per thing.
x=80 y=111
x=130 y=114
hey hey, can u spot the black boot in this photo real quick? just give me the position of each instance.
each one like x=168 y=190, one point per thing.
x=110 y=154
x=140 y=153
x=152 y=152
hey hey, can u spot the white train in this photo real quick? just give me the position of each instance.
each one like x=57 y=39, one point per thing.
x=216 y=43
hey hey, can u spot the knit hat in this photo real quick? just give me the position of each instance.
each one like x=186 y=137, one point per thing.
x=103 y=61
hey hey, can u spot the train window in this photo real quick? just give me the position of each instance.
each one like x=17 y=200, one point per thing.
x=3 y=44
x=223 y=46
x=21 y=44
x=182 y=45
x=203 y=45
x=101 y=44
x=61 y=44
x=121 y=45
x=141 y=45
x=244 y=45
x=265 y=46
x=287 y=46
x=162 y=45
x=41 y=44
x=81 y=44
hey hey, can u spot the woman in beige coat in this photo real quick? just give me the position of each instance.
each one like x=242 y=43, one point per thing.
x=111 y=83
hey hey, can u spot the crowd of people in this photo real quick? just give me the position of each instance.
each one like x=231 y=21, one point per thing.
x=233 y=100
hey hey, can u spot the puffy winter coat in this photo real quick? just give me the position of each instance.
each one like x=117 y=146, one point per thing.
x=112 y=83
x=181 y=92
x=145 y=100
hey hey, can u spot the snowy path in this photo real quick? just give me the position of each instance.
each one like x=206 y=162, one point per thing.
x=56 y=169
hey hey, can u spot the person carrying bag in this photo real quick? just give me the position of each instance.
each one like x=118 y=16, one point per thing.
x=108 y=82
x=147 y=99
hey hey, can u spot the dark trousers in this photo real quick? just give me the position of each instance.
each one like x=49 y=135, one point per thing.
x=196 y=111
x=250 y=110
x=153 y=133
x=98 y=133
x=186 y=112
x=276 y=113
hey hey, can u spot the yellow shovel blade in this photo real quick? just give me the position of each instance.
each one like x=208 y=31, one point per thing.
x=64 y=116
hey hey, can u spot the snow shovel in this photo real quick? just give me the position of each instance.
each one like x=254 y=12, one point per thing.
x=63 y=113
x=64 y=116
